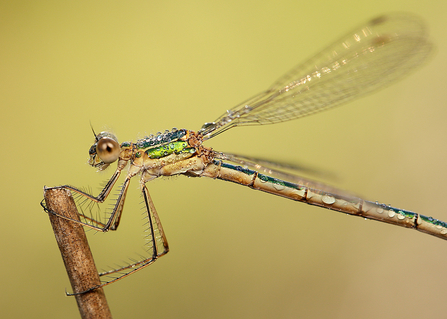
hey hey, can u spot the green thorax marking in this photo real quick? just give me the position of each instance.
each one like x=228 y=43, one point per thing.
x=176 y=147
x=165 y=144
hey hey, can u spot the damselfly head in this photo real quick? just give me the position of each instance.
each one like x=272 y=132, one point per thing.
x=104 y=151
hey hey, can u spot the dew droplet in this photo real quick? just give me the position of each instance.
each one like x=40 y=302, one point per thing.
x=327 y=199
x=278 y=187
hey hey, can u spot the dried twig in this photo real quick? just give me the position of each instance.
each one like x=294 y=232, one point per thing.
x=76 y=254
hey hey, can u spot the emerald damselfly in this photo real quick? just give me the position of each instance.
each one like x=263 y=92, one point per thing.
x=365 y=60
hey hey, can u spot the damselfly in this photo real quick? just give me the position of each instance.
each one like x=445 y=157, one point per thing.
x=365 y=60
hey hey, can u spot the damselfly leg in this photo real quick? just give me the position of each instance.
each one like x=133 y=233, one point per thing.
x=156 y=243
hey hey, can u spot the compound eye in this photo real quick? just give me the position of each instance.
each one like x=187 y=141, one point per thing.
x=108 y=150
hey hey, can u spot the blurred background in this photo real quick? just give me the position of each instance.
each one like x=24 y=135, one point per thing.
x=141 y=67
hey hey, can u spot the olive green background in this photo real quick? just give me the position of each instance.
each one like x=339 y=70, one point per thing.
x=139 y=67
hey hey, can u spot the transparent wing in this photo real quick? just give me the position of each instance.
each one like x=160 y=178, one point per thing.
x=364 y=60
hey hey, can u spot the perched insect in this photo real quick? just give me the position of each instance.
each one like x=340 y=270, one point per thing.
x=365 y=60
